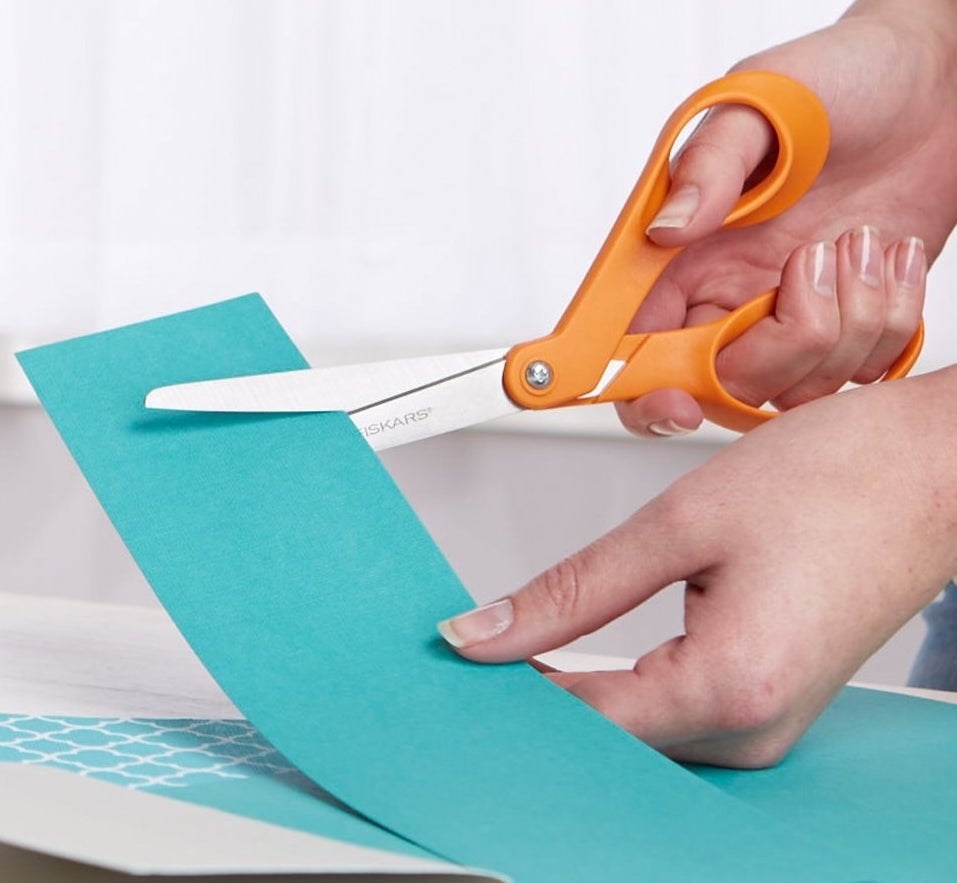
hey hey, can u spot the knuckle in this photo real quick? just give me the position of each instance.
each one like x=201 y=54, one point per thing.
x=904 y=313
x=901 y=323
x=675 y=511
x=762 y=753
x=701 y=156
x=817 y=335
x=631 y=417
x=890 y=347
x=863 y=324
x=559 y=589
x=756 y=705
x=749 y=710
x=562 y=593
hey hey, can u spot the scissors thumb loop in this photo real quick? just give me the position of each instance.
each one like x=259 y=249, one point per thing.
x=800 y=126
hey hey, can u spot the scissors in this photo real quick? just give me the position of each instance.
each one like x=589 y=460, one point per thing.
x=590 y=357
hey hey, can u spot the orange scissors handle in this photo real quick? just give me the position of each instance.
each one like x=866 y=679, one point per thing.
x=568 y=366
x=654 y=360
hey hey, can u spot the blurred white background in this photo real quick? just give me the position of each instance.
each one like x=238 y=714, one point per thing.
x=394 y=177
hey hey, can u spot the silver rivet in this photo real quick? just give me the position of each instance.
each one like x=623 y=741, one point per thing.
x=538 y=374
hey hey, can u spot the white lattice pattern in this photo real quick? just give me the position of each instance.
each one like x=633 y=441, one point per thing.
x=141 y=753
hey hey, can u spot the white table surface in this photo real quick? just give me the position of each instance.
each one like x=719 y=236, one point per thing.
x=91 y=659
x=85 y=658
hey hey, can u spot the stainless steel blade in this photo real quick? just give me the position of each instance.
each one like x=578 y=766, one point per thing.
x=469 y=398
x=339 y=388
x=391 y=403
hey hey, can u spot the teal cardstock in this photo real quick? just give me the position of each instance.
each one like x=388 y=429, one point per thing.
x=300 y=576
x=878 y=770
x=875 y=767
x=222 y=764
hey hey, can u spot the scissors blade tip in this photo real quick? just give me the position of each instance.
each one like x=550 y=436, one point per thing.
x=159 y=399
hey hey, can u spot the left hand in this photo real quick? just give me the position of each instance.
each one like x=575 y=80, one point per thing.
x=805 y=545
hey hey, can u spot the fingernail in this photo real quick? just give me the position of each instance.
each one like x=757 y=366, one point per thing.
x=478 y=625
x=910 y=262
x=866 y=254
x=667 y=428
x=678 y=209
x=822 y=268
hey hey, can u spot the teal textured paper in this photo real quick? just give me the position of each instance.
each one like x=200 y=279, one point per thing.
x=878 y=769
x=875 y=767
x=222 y=764
x=298 y=573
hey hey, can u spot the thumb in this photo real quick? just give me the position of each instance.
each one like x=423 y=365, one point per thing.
x=727 y=150
x=579 y=595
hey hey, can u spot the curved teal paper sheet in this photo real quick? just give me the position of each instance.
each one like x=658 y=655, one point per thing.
x=877 y=769
x=222 y=764
x=299 y=574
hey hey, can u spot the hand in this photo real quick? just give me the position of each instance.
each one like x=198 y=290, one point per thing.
x=808 y=542
x=884 y=73
x=805 y=545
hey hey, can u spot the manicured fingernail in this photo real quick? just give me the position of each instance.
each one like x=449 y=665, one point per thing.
x=667 y=428
x=678 y=209
x=864 y=246
x=822 y=266
x=910 y=262
x=478 y=625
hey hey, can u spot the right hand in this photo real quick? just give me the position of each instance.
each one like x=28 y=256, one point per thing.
x=885 y=73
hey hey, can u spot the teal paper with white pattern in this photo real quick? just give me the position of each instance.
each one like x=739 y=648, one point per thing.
x=300 y=576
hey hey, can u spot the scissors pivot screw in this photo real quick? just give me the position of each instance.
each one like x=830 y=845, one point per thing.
x=538 y=374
